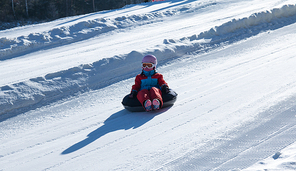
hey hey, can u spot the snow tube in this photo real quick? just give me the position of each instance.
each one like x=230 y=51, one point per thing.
x=133 y=104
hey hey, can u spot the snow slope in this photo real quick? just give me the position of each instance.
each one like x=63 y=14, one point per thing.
x=232 y=64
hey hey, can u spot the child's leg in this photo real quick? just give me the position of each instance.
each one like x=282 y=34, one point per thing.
x=143 y=95
x=155 y=93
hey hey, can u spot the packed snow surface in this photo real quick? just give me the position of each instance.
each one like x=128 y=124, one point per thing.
x=232 y=64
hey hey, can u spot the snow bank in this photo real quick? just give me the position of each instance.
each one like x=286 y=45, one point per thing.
x=54 y=86
x=255 y=19
x=11 y=47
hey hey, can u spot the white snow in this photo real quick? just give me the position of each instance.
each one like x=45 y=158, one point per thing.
x=232 y=64
x=284 y=160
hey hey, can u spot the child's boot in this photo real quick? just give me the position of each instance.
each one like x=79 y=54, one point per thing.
x=147 y=105
x=156 y=104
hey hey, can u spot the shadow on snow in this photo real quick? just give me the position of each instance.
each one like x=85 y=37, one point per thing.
x=122 y=120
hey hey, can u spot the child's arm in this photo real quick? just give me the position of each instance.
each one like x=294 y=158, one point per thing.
x=163 y=85
x=137 y=86
x=161 y=81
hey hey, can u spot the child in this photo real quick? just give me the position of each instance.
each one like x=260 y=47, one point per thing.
x=149 y=85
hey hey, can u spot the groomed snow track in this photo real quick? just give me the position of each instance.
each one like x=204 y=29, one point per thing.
x=233 y=69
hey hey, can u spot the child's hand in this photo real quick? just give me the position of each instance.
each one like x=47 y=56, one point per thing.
x=165 y=89
x=133 y=94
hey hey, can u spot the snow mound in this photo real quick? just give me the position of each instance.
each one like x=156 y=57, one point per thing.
x=43 y=90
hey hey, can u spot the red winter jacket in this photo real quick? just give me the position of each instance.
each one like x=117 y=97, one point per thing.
x=147 y=80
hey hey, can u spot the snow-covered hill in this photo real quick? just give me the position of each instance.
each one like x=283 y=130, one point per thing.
x=232 y=64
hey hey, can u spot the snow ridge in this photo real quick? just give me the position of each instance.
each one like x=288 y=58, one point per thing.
x=43 y=90
x=83 y=30
x=254 y=19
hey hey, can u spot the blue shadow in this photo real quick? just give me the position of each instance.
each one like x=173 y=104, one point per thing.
x=122 y=120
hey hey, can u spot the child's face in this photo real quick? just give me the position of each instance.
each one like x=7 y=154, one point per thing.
x=147 y=66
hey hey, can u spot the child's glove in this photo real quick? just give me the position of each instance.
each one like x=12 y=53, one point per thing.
x=165 y=89
x=133 y=94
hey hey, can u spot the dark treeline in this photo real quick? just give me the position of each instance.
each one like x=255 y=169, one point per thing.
x=38 y=10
